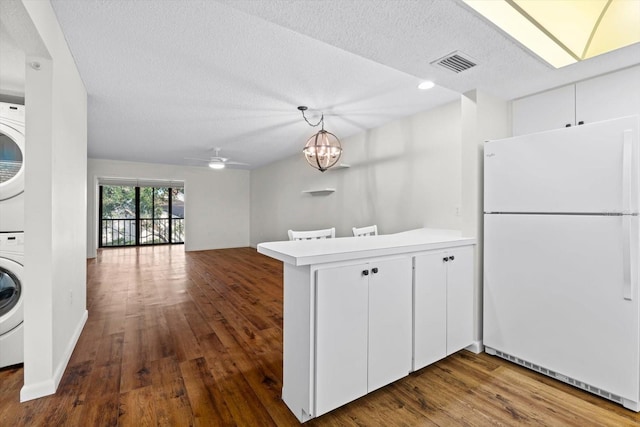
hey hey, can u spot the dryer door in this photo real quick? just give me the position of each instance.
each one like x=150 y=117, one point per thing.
x=11 y=161
x=11 y=297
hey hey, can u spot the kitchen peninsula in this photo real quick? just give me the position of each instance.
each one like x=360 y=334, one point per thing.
x=362 y=312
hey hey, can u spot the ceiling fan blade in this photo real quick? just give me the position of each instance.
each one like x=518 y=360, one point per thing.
x=217 y=159
x=200 y=160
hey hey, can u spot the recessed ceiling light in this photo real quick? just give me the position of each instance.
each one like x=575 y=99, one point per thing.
x=563 y=32
x=426 y=85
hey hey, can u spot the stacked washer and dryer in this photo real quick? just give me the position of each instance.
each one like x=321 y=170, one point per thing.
x=11 y=233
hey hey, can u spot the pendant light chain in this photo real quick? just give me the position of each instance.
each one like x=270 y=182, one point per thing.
x=321 y=121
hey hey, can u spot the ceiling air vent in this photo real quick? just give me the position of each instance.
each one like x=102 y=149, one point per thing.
x=456 y=62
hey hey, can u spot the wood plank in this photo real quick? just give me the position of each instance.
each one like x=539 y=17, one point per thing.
x=186 y=343
x=137 y=408
x=109 y=350
x=103 y=411
x=136 y=369
x=170 y=395
x=245 y=407
x=159 y=342
x=206 y=398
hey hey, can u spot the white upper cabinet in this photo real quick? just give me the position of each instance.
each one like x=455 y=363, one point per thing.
x=602 y=98
x=609 y=96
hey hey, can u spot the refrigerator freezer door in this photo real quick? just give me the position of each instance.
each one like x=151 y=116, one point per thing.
x=584 y=169
x=554 y=295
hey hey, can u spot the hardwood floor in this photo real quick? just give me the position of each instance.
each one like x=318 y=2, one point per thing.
x=179 y=339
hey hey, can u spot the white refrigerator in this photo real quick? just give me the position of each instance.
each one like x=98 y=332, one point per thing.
x=561 y=255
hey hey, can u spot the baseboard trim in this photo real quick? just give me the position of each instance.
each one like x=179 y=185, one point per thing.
x=57 y=376
x=49 y=386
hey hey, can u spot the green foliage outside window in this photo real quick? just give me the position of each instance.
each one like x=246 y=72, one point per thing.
x=118 y=202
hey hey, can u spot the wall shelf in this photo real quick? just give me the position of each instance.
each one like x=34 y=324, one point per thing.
x=341 y=166
x=320 y=191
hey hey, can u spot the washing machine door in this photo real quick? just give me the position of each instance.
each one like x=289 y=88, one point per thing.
x=11 y=160
x=11 y=297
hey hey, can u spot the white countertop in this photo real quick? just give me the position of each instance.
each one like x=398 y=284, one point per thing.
x=320 y=251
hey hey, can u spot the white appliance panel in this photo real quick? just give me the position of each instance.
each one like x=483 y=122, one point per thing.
x=11 y=302
x=591 y=168
x=12 y=214
x=554 y=294
x=12 y=150
x=12 y=347
x=12 y=314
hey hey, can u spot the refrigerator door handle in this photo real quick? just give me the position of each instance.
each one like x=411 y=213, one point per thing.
x=626 y=257
x=626 y=171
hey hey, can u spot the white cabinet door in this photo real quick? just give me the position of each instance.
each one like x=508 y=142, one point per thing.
x=605 y=97
x=443 y=304
x=609 y=96
x=459 y=299
x=553 y=109
x=341 y=336
x=430 y=308
x=363 y=329
x=389 y=321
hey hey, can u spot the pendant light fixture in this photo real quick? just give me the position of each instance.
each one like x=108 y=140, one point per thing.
x=323 y=149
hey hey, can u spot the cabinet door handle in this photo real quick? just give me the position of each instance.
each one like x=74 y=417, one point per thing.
x=568 y=125
x=451 y=258
x=581 y=122
x=445 y=259
x=374 y=270
x=365 y=272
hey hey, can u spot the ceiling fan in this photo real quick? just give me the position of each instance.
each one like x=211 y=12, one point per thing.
x=217 y=162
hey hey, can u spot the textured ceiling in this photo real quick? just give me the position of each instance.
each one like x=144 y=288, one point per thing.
x=18 y=38
x=408 y=35
x=173 y=79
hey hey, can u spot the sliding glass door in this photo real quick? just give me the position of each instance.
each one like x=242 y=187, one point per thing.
x=135 y=215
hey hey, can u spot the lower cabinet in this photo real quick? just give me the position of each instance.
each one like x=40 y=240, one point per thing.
x=363 y=329
x=443 y=304
x=351 y=327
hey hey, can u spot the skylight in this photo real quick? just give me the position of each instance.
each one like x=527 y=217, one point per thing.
x=563 y=32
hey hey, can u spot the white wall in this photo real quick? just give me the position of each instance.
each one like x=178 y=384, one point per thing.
x=403 y=175
x=55 y=206
x=217 y=208
x=483 y=118
x=216 y=202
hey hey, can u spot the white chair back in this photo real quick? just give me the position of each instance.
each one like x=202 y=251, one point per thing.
x=371 y=230
x=327 y=233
